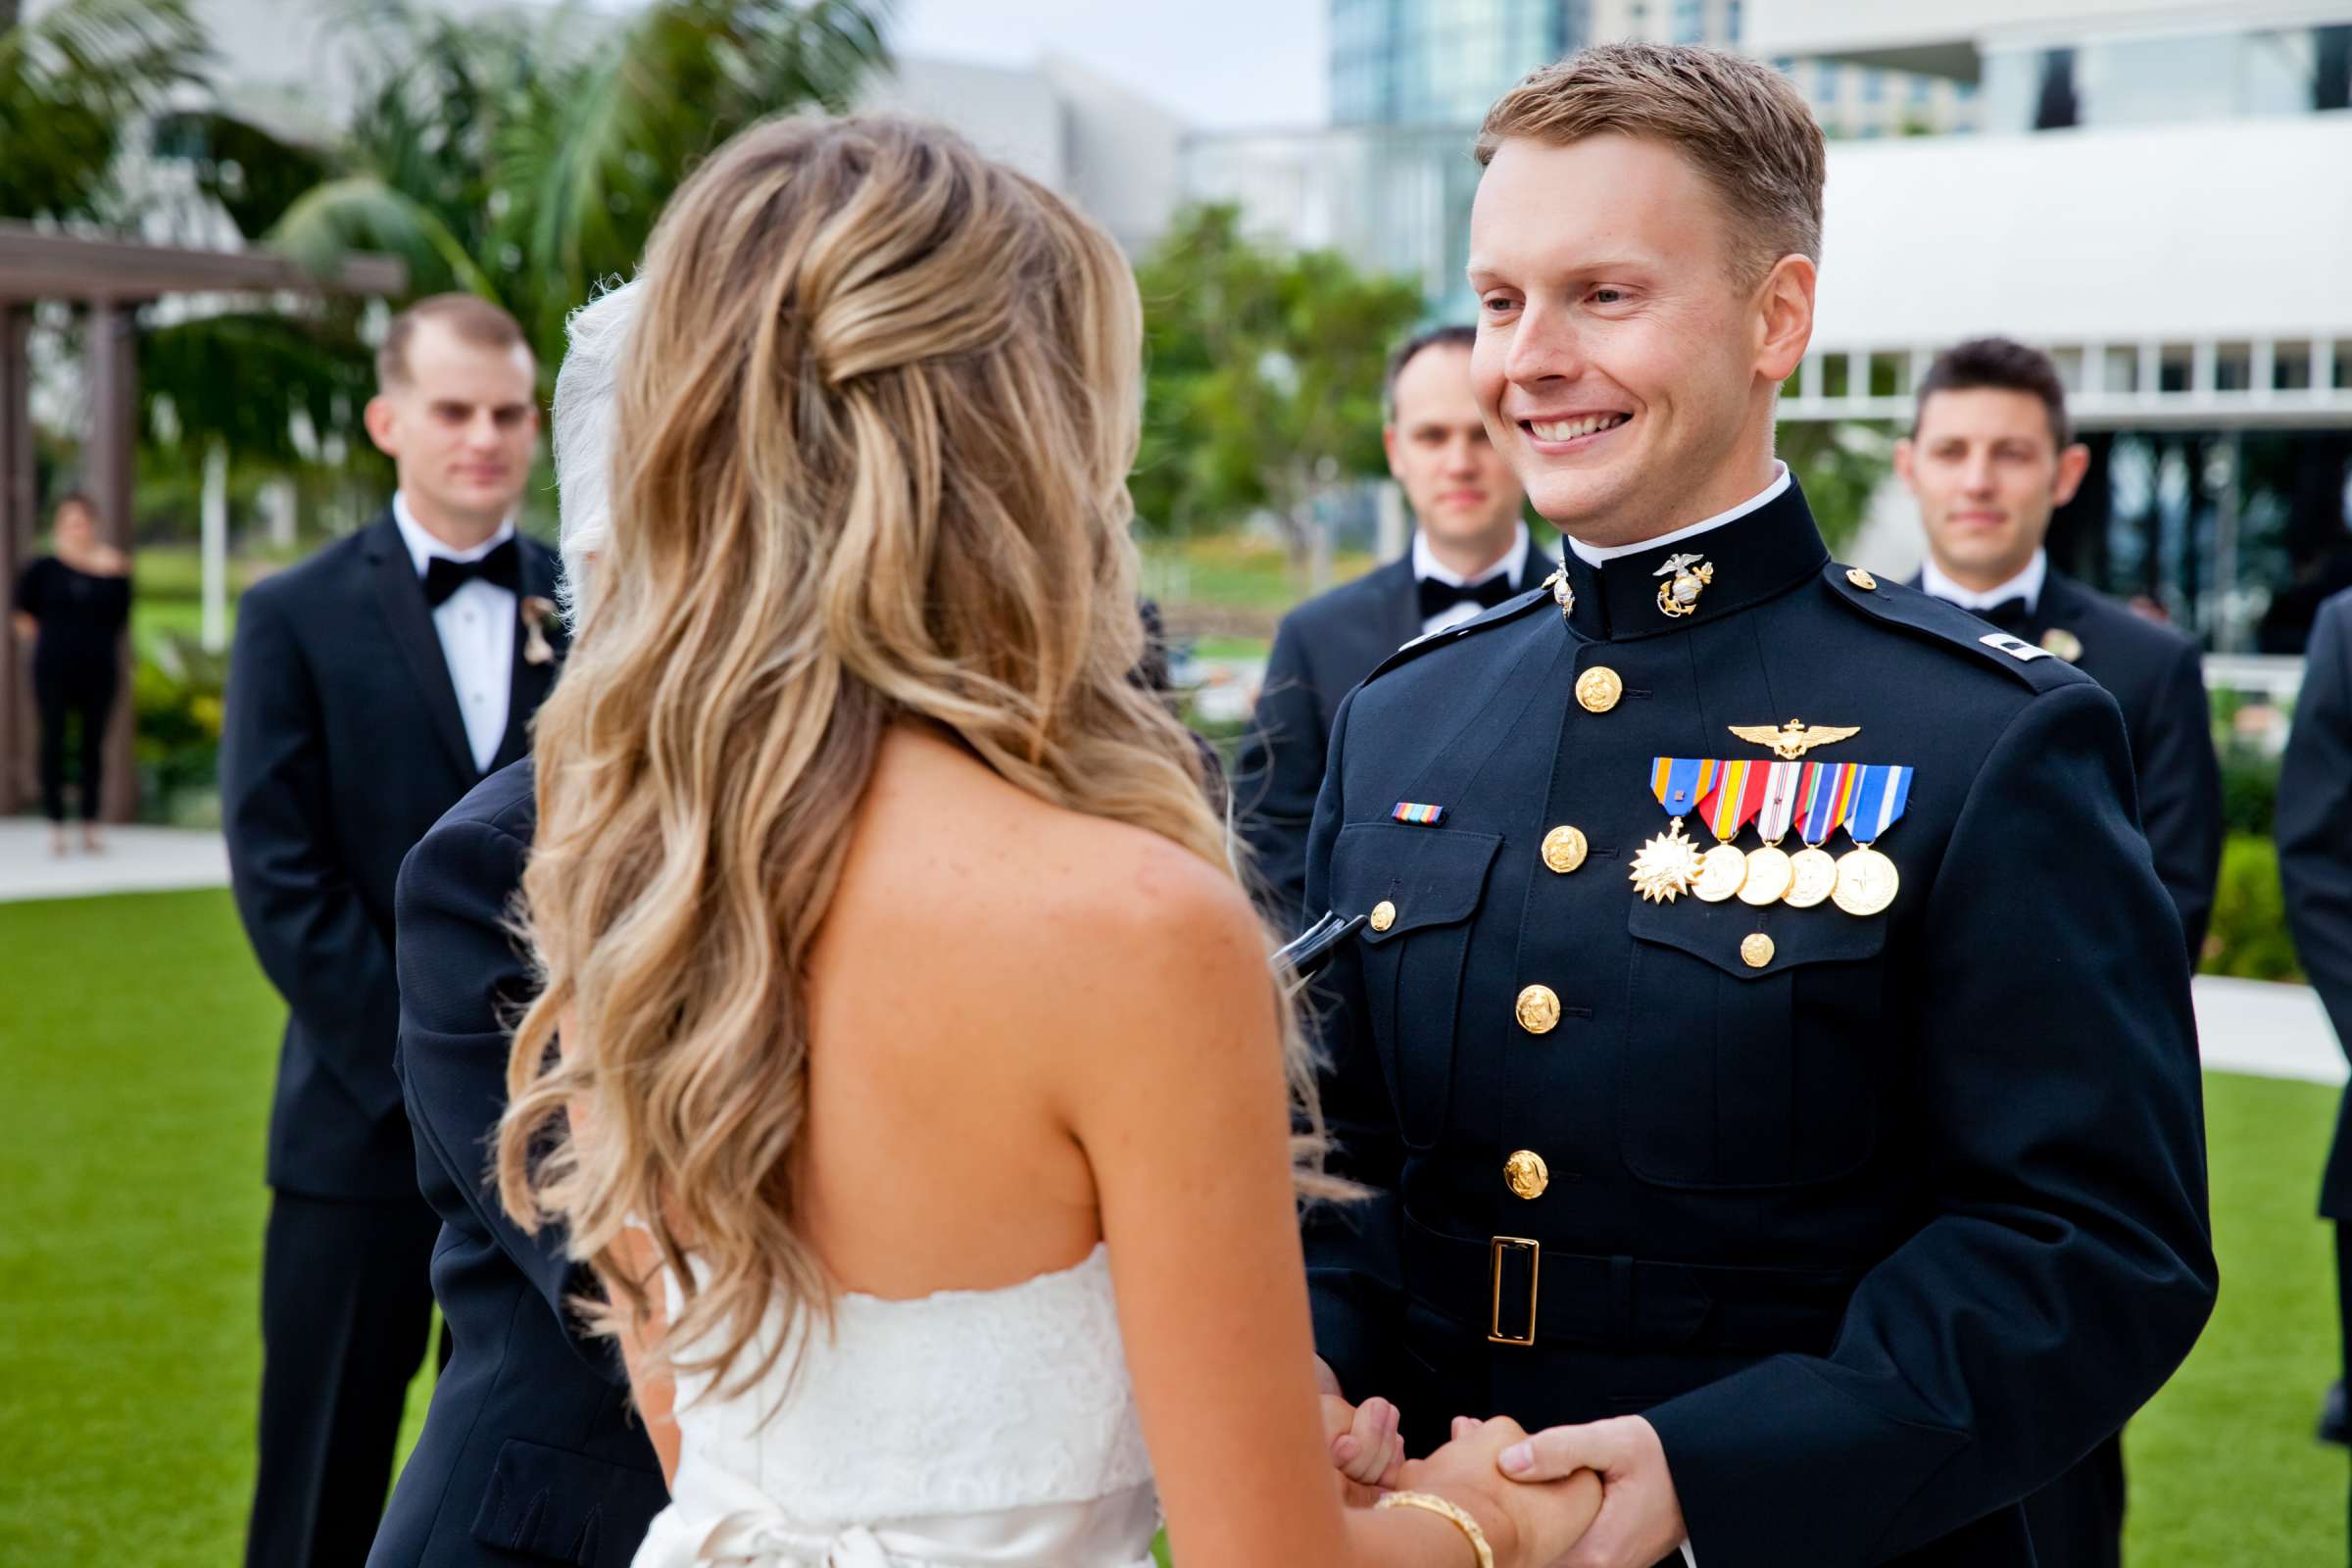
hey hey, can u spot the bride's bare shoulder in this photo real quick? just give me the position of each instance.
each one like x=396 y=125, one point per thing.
x=1008 y=892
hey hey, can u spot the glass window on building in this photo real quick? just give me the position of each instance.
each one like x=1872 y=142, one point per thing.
x=1731 y=21
x=1689 y=22
x=1873 y=85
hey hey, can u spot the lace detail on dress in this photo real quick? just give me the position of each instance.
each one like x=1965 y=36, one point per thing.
x=972 y=1419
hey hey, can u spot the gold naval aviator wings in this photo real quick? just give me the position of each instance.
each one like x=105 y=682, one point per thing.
x=1793 y=740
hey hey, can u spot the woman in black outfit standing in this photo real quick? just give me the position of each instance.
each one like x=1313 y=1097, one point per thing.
x=73 y=606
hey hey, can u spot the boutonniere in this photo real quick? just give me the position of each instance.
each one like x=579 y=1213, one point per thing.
x=539 y=616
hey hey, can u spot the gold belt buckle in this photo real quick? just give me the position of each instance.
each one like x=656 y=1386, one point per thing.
x=1535 y=1278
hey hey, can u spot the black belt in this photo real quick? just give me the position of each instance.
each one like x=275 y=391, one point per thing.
x=1518 y=1292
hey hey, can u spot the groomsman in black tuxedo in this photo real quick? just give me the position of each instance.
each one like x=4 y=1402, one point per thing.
x=1990 y=458
x=531 y=1451
x=371 y=687
x=1470 y=552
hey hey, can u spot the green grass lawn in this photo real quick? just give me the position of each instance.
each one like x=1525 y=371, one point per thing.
x=138 y=1040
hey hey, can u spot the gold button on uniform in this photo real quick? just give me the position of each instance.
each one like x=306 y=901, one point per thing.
x=1538 y=1010
x=1598 y=689
x=1527 y=1173
x=1861 y=579
x=1756 y=951
x=1383 y=915
x=1564 y=849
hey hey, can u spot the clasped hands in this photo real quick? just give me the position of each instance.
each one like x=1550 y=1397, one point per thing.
x=1543 y=1484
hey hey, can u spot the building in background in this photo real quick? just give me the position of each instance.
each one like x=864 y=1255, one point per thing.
x=2157 y=193
x=2138 y=197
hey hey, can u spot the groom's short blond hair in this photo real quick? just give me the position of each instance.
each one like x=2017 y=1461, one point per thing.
x=1739 y=122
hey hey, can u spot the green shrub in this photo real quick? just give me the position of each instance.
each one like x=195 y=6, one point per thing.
x=2249 y=789
x=2249 y=938
x=178 y=695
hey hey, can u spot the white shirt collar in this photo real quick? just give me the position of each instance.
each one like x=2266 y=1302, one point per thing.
x=1513 y=564
x=423 y=547
x=2026 y=585
x=1596 y=555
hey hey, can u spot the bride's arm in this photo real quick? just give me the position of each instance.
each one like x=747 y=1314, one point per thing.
x=1172 y=1084
x=655 y=1391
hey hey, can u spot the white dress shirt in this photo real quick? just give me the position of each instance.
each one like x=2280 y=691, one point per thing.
x=477 y=625
x=1513 y=566
x=2026 y=585
x=1596 y=555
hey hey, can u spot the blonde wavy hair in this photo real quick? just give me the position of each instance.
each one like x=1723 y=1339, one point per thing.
x=874 y=422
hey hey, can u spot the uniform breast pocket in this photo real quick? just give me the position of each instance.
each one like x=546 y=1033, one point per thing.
x=1418 y=888
x=1752 y=1064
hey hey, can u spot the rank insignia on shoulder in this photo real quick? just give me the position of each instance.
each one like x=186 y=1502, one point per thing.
x=2017 y=648
x=1417 y=814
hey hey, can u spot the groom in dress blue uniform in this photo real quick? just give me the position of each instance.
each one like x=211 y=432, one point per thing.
x=531 y=1451
x=1470 y=552
x=1825 y=1220
x=369 y=688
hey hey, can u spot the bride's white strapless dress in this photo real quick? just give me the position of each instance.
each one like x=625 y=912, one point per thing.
x=967 y=1429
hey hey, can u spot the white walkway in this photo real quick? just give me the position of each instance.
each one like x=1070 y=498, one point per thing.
x=136 y=860
x=2249 y=1026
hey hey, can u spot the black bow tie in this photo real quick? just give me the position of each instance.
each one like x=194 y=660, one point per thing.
x=502 y=568
x=1438 y=596
x=2012 y=615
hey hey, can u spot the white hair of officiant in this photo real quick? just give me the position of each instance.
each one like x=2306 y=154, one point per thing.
x=582 y=417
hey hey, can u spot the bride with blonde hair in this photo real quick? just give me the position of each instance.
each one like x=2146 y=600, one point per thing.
x=907 y=1063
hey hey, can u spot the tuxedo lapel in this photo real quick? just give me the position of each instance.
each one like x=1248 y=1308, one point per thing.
x=529 y=684
x=411 y=624
x=1400 y=599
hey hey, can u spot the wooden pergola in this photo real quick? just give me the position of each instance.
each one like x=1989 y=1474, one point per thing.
x=110 y=281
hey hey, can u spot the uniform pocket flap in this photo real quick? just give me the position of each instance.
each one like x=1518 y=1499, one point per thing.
x=1427 y=876
x=566 y=1507
x=1752 y=944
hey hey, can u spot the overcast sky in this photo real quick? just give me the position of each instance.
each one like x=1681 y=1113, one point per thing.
x=1222 y=64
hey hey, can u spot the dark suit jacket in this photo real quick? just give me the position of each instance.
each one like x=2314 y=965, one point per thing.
x=2155 y=676
x=342 y=742
x=530 y=1446
x=2315 y=849
x=1321 y=650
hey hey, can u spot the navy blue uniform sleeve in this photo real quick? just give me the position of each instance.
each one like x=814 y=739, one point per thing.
x=2063 y=1265
x=2180 y=795
x=463 y=983
x=1354 y=1283
x=1277 y=776
x=309 y=929
x=2315 y=820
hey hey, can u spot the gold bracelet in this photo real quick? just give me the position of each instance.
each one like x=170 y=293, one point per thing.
x=1461 y=1517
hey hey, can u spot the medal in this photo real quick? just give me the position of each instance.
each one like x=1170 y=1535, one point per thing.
x=1867 y=881
x=1738 y=790
x=1669 y=863
x=1768 y=869
x=1823 y=796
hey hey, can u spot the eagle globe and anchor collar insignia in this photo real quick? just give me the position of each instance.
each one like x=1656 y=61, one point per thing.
x=1688 y=576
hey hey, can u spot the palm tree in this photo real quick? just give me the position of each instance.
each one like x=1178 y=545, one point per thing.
x=525 y=159
x=72 y=80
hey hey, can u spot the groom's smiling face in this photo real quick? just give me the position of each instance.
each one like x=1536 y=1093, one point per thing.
x=1616 y=364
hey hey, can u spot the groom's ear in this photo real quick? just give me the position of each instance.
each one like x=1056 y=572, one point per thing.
x=381 y=417
x=1783 y=318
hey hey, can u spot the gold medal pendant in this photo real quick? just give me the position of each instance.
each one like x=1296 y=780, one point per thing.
x=1666 y=866
x=1812 y=877
x=1721 y=870
x=1867 y=881
x=1767 y=878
